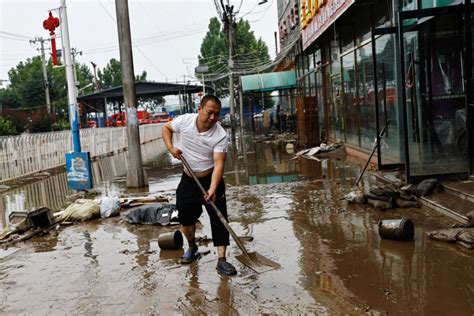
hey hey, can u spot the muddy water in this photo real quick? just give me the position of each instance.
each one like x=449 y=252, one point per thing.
x=333 y=261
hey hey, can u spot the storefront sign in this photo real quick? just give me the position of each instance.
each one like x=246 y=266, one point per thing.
x=318 y=15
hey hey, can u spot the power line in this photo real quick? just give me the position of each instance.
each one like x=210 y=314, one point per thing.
x=26 y=37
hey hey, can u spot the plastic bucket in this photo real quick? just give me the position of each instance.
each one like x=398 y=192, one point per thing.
x=171 y=241
x=397 y=229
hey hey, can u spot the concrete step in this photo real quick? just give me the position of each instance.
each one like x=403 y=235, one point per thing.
x=462 y=189
x=449 y=204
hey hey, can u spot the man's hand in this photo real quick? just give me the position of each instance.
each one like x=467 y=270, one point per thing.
x=175 y=152
x=210 y=196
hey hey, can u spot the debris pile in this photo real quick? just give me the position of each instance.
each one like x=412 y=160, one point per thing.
x=460 y=234
x=389 y=196
x=26 y=224
x=336 y=150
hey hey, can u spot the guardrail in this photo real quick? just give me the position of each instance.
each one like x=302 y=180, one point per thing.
x=26 y=154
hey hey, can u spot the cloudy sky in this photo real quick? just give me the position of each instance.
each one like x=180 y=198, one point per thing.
x=166 y=34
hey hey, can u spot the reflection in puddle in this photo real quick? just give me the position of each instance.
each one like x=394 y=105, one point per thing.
x=333 y=260
x=107 y=175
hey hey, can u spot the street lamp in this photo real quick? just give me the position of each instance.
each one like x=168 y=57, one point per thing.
x=202 y=69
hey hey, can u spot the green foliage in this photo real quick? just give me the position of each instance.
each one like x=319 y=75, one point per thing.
x=6 y=127
x=61 y=124
x=27 y=84
x=41 y=122
x=27 y=91
x=249 y=52
x=111 y=75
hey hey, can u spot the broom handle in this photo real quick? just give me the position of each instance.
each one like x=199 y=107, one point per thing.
x=214 y=207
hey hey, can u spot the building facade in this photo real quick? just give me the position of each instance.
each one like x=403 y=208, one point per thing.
x=398 y=71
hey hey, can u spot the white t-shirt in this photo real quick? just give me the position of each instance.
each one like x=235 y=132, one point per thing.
x=198 y=148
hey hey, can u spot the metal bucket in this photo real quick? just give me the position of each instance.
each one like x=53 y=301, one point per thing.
x=171 y=241
x=397 y=229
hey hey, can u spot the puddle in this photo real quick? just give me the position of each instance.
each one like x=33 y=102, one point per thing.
x=333 y=260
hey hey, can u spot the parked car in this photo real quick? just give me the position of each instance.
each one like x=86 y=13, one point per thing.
x=162 y=117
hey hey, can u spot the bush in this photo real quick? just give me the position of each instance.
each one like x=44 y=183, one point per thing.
x=6 y=127
x=61 y=124
x=41 y=122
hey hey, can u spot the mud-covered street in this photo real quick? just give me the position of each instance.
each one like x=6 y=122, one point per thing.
x=332 y=258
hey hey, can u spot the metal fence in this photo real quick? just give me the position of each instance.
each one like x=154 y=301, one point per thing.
x=30 y=153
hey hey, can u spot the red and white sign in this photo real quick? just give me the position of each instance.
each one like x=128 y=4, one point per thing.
x=320 y=21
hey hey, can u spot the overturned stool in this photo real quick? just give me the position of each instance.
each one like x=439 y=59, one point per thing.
x=170 y=241
x=42 y=217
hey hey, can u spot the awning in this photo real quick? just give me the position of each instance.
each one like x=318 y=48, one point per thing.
x=269 y=81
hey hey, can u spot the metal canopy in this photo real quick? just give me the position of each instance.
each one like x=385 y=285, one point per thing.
x=142 y=89
x=269 y=81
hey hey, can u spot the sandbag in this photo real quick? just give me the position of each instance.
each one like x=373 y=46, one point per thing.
x=461 y=236
x=425 y=187
x=163 y=214
x=80 y=212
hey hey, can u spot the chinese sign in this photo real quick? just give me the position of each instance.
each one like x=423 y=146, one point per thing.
x=318 y=15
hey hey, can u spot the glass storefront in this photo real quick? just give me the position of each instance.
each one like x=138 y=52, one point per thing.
x=389 y=114
x=435 y=96
x=366 y=96
x=356 y=76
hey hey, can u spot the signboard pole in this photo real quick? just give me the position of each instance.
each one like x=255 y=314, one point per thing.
x=78 y=166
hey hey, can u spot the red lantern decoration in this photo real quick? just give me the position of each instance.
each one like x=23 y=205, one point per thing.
x=51 y=23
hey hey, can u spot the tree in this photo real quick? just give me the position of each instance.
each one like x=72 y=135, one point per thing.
x=111 y=75
x=249 y=53
x=26 y=90
x=6 y=127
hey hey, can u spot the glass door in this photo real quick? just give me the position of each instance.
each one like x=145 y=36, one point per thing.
x=388 y=107
x=435 y=95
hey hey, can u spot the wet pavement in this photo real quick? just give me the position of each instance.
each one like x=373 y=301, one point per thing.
x=333 y=260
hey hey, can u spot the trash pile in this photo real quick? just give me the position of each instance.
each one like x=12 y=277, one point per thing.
x=162 y=214
x=26 y=224
x=461 y=234
x=336 y=150
x=389 y=196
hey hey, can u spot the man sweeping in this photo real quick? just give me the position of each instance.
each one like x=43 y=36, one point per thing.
x=204 y=145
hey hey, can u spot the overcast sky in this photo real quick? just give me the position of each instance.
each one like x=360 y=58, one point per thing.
x=167 y=34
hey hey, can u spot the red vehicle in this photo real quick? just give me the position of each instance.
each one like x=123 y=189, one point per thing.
x=120 y=119
x=161 y=117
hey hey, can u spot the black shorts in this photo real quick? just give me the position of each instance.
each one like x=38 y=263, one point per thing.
x=189 y=202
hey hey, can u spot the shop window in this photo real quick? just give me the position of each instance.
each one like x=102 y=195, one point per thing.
x=351 y=108
x=408 y=5
x=311 y=62
x=335 y=62
x=308 y=81
x=347 y=36
x=320 y=102
x=366 y=96
x=383 y=13
x=363 y=26
x=388 y=97
x=435 y=3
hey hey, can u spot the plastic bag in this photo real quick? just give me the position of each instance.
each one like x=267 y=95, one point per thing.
x=163 y=214
x=109 y=206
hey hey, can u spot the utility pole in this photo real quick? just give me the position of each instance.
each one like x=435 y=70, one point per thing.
x=230 y=21
x=45 y=72
x=136 y=177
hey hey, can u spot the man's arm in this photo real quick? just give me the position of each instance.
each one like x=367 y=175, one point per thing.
x=217 y=173
x=167 y=134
